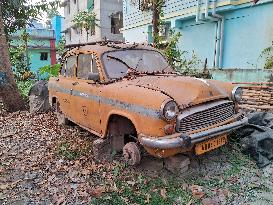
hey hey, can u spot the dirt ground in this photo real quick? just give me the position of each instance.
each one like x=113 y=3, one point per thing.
x=43 y=163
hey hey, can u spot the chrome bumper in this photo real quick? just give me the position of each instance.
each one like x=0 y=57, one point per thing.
x=180 y=140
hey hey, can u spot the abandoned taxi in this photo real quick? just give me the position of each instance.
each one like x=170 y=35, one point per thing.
x=130 y=96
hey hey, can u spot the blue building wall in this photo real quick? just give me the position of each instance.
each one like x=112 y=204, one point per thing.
x=39 y=43
x=57 y=22
x=248 y=29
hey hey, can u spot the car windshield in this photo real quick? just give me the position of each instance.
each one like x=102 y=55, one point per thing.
x=120 y=63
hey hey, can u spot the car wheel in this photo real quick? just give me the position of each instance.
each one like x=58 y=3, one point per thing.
x=131 y=153
x=62 y=120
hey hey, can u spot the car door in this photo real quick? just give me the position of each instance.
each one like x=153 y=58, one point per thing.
x=64 y=85
x=85 y=93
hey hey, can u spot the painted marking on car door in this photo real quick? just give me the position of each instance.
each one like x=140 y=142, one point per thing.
x=115 y=103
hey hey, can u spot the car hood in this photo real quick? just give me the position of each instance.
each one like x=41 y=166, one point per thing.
x=186 y=91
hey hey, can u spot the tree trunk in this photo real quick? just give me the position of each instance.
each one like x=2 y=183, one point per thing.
x=155 y=21
x=9 y=93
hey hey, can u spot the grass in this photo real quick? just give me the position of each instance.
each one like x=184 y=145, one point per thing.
x=72 y=149
x=134 y=186
x=146 y=191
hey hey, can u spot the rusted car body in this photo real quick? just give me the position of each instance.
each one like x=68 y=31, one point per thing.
x=129 y=93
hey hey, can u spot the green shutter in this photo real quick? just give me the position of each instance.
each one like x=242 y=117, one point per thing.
x=90 y=5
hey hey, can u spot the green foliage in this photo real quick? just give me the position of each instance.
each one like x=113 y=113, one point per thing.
x=24 y=87
x=67 y=152
x=174 y=55
x=177 y=59
x=50 y=70
x=267 y=53
x=61 y=46
x=85 y=20
x=52 y=9
x=20 y=60
x=17 y=14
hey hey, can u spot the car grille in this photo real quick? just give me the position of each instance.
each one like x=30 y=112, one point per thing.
x=205 y=115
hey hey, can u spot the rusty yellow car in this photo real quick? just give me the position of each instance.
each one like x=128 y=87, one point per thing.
x=128 y=95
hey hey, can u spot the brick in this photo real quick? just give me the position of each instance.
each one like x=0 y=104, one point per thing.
x=102 y=149
x=177 y=164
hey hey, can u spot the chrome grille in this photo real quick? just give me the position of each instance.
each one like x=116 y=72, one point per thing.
x=206 y=115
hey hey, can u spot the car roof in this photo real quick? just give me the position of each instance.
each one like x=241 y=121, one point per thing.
x=102 y=48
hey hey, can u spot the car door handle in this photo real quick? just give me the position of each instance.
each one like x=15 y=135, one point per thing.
x=75 y=83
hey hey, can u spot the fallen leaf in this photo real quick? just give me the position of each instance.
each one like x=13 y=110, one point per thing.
x=4 y=186
x=197 y=191
x=163 y=193
x=96 y=192
x=190 y=202
x=131 y=183
x=60 y=200
x=209 y=201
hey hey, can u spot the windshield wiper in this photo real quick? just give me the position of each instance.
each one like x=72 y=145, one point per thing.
x=130 y=69
x=119 y=60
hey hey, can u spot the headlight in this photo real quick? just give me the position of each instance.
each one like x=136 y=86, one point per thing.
x=169 y=110
x=237 y=94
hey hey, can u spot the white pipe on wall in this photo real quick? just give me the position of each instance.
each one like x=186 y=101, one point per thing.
x=221 y=36
x=219 y=30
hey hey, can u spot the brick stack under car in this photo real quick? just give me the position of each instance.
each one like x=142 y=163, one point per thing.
x=257 y=96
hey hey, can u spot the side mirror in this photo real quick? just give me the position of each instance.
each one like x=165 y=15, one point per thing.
x=93 y=76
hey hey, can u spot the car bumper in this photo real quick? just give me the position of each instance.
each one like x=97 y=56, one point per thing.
x=180 y=140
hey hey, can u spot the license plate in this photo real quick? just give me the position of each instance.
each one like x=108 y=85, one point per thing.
x=211 y=144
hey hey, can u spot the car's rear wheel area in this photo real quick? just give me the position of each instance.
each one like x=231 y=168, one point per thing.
x=62 y=120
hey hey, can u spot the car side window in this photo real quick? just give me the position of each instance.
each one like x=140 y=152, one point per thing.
x=63 y=69
x=71 y=62
x=86 y=64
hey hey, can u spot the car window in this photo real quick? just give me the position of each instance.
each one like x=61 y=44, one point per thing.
x=70 y=63
x=86 y=64
x=117 y=63
x=63 y=69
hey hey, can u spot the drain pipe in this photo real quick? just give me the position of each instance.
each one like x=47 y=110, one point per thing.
x=197 y=16
x=221 y=22
x=219 y=30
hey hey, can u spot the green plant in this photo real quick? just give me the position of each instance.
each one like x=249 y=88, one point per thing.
x=19 y=56
x=85 y=20
x=169 y=47
x=24 y=87
x=267 y=53
x=49 y=71
x=61 y=46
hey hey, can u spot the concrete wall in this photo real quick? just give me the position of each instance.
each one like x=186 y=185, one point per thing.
x=103 y=9
x=243 y=75
x=57 y=22
x=248 y=29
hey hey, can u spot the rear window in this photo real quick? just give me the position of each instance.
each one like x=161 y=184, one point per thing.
x=86 y=64
x=71 y=63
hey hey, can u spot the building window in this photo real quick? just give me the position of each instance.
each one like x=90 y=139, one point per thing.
x=44 y=56
x=75 y=1
x=90 y=5
x=116 y=22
